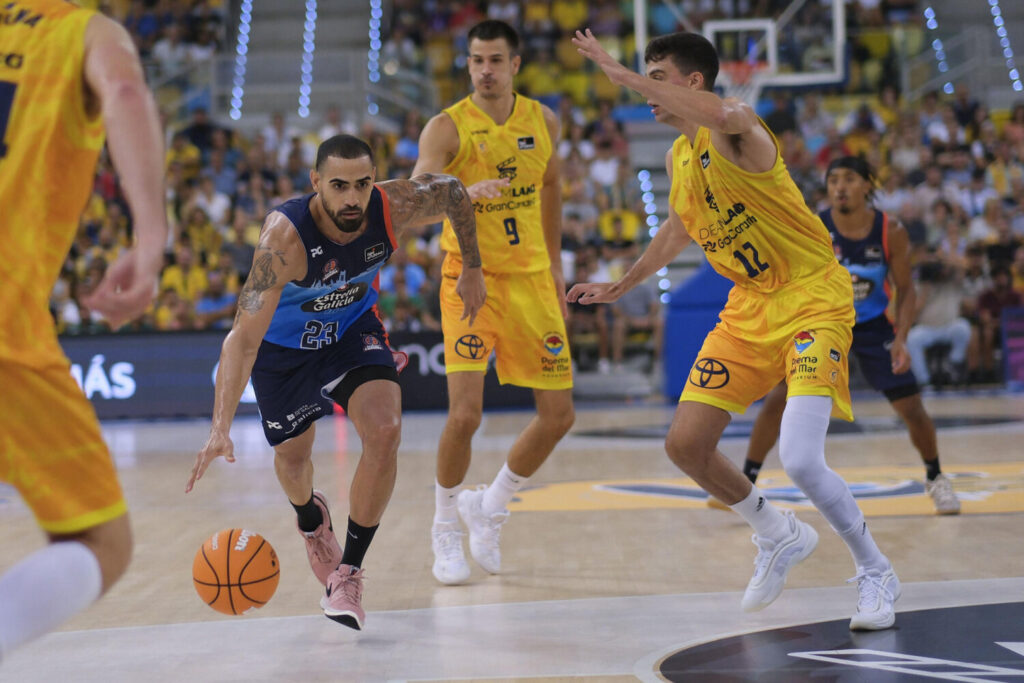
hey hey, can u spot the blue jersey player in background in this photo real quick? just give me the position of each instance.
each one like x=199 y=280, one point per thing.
x=308 y=333
x=876 y=251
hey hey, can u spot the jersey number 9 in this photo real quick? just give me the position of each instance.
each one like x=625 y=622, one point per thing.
x=512 y=231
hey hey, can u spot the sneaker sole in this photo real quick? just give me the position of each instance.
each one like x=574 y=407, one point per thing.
x=345 y=618
x=811 y=546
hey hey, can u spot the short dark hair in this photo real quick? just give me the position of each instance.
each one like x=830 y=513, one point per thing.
x=344 y=146
x=858 y=165
x=492 y=29
x=689 y=52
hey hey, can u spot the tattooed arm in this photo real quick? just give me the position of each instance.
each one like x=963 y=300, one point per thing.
x=279 y=258
x=426 y=199
x=429 y=198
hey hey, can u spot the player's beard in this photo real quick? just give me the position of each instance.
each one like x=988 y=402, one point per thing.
x=342 y=223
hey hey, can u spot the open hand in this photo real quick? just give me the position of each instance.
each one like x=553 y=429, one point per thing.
x=588 y=46
x=217 y=445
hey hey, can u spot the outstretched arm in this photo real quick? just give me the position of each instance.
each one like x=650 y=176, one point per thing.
x=703 y=107
x=671 y=239
x=279 y=258
x=426 y=199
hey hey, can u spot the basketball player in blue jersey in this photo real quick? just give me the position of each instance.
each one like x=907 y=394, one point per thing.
x=876 y=251
x=308 y=333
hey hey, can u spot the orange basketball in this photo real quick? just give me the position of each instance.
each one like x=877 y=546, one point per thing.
x=235 y=571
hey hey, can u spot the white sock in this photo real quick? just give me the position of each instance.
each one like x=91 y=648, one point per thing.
x=862 y=546
x=802 y=451
x=46 y=588
x=445 y=508
x=502 y=489
x=764 y=517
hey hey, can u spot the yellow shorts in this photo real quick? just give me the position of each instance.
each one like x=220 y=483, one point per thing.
x=51 y=449
x=763 y=339
x=521 y=322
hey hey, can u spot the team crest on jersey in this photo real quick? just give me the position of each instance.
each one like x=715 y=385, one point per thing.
x=802 y=341
x=371 y=343
x=346 y=295
x=373 y=253
x=705 y=159
x=506 y=168
x=554 y=343
x=331 y=272
x=526 y=143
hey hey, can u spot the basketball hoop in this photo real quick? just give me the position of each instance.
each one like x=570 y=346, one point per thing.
x=742 y=79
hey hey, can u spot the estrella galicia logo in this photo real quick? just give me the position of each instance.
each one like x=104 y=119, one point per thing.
x=526 y=143
x=705 y=159
x=802 y=340
x=834 y=355
x=373 y=253
x=343 y=296
x=708 y=373
x=506 y=169
x=862 y=287
x=470 y=346
x=554 y=343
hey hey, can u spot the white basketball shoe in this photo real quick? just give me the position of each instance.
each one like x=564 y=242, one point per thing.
x=774 y=560
x=878 y=593
x=450 y=566
x=484 y=530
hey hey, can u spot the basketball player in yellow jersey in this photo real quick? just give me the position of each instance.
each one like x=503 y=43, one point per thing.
x=789 y=315
x=66 y=73
x=502 y=146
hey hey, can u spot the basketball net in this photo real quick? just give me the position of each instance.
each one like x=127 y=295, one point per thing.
x=742 y=79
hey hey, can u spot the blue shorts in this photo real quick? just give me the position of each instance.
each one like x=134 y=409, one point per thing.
x=872 y=340
x=291 y=385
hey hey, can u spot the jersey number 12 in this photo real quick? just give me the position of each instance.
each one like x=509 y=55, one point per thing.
x=753 y=269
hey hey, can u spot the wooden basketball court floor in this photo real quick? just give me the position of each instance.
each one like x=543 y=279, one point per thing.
x=611 y=560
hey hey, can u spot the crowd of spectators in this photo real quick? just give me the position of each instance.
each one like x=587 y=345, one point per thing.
x=949 y=169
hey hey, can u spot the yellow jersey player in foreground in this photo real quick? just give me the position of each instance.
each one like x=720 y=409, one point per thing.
x=503 y=147
x=66 y=73
x=789 y=315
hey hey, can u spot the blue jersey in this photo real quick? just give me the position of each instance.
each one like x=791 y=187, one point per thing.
x=341 y=279
x=868 y=263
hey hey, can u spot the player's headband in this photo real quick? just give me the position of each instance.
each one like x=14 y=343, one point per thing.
x=855 y=164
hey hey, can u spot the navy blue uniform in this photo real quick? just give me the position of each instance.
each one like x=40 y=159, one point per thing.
x=325 y=324
x=873 y=335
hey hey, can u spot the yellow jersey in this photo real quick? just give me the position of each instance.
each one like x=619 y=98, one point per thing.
x=48 y=150
x=508 y=228
x=754 y=228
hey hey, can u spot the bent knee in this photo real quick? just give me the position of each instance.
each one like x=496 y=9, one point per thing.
x=111 y=543
x=384 y=436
